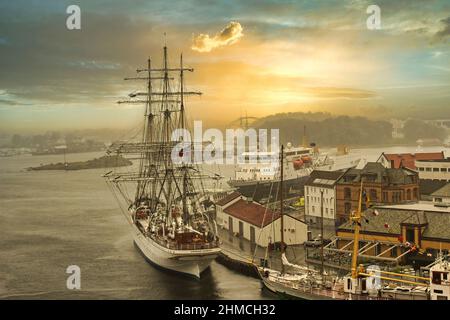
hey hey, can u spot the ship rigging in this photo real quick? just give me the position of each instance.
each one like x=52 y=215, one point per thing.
x=169 y=208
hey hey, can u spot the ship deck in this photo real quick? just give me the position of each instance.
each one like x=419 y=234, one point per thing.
x=177 y=245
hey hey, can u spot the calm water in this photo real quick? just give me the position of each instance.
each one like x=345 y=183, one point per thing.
x=52 y=219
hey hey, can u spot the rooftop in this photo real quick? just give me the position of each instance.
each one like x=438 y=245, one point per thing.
x=436 y=160
x=419 y=206
x=376 y=172
x=390 y=219
x=325 y=179
x=252 y=212
x=407 y=160
x=428 y=186
x=228 y=198
x=444 y=191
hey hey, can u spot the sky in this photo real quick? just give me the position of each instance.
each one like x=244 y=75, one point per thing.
x=255 y=57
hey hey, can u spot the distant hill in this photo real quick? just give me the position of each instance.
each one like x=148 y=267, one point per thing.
x=331 y=131
x=325 y=129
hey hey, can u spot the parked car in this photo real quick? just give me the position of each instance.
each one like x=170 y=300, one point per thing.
x=316 y=242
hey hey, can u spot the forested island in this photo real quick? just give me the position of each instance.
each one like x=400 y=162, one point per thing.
x=102 y=162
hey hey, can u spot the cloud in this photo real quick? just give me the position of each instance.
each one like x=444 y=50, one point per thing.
x=445 y=31
x=229 y=35
x=338 y=93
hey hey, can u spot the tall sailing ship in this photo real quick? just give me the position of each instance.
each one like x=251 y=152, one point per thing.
x=167 y=206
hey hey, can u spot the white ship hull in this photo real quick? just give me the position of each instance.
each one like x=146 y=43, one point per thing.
x=189 y=262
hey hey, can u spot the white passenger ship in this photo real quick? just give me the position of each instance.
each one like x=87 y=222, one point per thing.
x=257 y=171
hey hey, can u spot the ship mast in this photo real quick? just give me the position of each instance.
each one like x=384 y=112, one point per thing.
x=355 y=217
x=158 y=177
x=281 y=208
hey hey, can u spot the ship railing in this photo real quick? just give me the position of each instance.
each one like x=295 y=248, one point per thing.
x=186 y=246
x=195 y=246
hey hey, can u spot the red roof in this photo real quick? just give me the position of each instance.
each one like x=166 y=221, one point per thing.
x=408 y=159
x=252 y=213
x=228 y=198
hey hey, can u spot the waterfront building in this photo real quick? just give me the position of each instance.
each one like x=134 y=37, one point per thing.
x=247 y=219
x=382 y=185
x=403 y=233
x=434 y=169
x=321 y=183
x=407 y=160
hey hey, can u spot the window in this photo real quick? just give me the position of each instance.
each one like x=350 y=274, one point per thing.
x=410 y=235
x=436 y=278
x=421 y=169
x=396 y=196
x=428 y=169
x=252 y=234
x=373 y=195
x=443 y=169
x=385 y=197
x=408 y=194
x=347 y=193
x=435 y=169
x=230 y=225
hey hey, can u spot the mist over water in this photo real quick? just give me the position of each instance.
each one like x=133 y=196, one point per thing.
x=53 y=219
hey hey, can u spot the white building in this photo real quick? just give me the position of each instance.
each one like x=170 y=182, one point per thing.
x=434 y=169
x=252 y=221
x=440 y=281
x=318 y=182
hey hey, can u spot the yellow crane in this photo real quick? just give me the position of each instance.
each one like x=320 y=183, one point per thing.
x=356 y=272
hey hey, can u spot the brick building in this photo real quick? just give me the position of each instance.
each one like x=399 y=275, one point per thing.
x=382 y=185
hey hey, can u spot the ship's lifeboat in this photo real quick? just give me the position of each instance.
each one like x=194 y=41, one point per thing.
x=306 y=159
x=141 y=214
x=298 y=164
